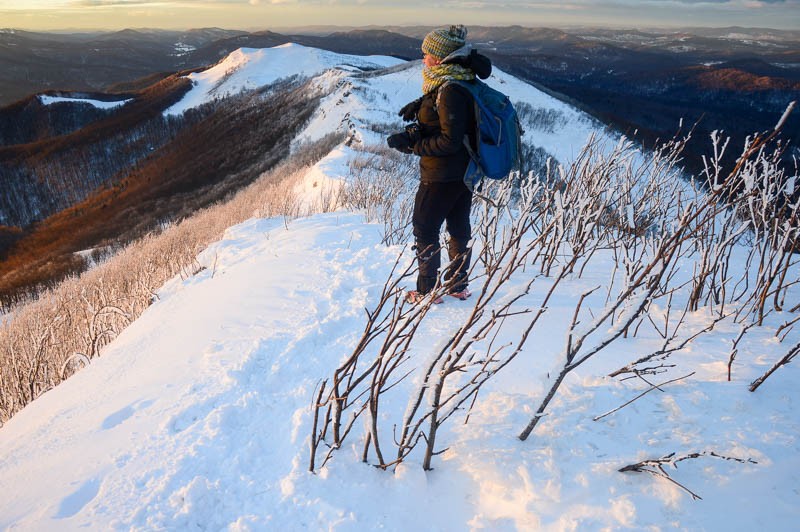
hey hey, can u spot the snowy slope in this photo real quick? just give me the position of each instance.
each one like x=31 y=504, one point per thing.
x=197 y=416
x=363 y=92
x=359 y=102
x=248 y=69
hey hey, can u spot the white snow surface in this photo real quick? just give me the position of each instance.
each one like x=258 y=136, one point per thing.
x=198 y=415
x=48 y=100
x=249 y=68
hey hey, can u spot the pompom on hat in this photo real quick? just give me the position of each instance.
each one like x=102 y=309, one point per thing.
x=442 y=42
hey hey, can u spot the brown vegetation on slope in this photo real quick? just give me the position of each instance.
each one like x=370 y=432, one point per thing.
x=734 y=79
x=147 y=104
x=224 y=151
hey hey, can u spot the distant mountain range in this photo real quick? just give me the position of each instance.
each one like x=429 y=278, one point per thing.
x=33 y=62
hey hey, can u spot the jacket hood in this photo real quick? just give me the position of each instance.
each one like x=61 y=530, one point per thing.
x=468 y=57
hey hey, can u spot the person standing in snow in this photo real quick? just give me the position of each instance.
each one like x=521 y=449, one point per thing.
x=444 y=119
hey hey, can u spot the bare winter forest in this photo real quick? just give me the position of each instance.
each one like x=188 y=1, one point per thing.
x=136 y=170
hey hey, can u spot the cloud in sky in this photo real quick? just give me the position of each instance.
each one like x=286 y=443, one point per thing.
x=265 y=13
x=163 y=3
x=421 y=5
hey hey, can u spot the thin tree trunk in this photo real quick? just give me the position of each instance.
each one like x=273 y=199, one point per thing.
x=539 y=413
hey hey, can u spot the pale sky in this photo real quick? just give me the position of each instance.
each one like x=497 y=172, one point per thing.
x=266 y=14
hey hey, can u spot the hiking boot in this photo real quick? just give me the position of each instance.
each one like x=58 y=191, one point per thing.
x=414 y=297
x=462 y=294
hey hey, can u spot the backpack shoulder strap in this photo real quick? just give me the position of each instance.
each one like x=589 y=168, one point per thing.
x=464 y=85
x=468 y=139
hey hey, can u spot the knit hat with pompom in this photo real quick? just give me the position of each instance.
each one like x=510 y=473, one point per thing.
x=443 y=42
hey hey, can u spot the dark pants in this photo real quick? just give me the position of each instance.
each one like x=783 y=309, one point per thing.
x=435 y=204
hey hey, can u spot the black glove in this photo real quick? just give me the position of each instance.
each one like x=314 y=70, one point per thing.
x=414 y=133
x=410 y=110
x=400 y=142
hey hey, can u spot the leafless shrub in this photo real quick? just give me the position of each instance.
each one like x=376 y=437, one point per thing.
x=381 y=184
x=556 y=224
x=755 y=208
x=655 y=466
x=609 y=201
x=788 y=357
x=454 y=373
x=762 y=213
x=645 y=260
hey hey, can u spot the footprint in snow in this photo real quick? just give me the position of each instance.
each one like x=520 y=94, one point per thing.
x=123 y=414
x=77 y=501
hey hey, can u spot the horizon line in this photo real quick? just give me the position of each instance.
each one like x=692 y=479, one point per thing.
x=308 y=27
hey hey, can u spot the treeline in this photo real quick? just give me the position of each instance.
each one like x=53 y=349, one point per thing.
x=29 y=120
x=36 y=188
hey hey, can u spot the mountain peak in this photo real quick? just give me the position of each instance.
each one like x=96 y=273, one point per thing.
x=247 y=69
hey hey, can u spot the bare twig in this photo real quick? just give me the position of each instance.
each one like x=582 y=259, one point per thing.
x=735 y=348
x=652 y=387
x=655 y=466
x=782 y=362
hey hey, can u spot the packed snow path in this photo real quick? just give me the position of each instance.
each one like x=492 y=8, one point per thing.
x=177 y=423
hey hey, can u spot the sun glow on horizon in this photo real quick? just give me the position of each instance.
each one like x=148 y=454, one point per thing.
x=249 y=14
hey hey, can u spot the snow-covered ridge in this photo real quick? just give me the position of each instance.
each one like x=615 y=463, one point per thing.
x=364 y=106
x=363 y=94
x=100 y=104
x=248 y=69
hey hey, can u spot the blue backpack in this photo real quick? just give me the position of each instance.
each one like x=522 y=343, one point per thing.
x=498 y=133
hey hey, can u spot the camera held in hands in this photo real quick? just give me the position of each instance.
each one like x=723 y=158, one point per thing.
x=414 y=133
x=405 y=140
